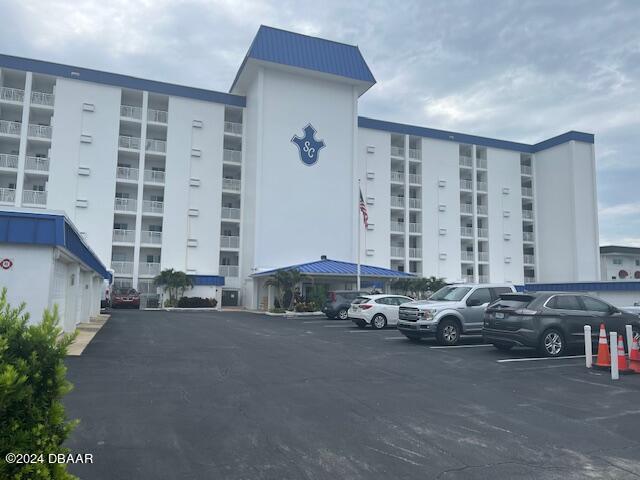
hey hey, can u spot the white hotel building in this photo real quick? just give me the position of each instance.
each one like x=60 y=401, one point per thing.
x=156 y=175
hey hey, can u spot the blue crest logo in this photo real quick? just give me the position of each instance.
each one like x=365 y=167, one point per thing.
x=308 y=146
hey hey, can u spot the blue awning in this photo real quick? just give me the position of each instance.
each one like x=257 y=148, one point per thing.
x=336 y=268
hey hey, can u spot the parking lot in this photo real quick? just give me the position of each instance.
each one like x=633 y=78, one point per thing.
x=241 y=396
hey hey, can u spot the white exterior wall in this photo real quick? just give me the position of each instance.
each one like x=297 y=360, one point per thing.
x=610 y=271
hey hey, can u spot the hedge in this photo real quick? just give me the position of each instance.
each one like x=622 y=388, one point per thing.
x=197 y=302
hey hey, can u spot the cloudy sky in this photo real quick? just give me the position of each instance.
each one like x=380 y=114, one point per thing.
x=518 y=70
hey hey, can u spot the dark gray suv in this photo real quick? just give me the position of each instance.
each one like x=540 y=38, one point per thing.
x=551 y=321
x=338 y=303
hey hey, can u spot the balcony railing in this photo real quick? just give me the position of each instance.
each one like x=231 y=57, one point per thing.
x=525 y=170
x=229 y=241
x=483 y=278
x=34 y=197
x=152 y=206
x=121 y=267
x=529 y=259
x=125 y=204
x=154 y=176
x=233 y=127
x=11 y=94
x=467 y=256
x=468 y=279
x=151 y=237
x=415 y=178
x=43 y=98
x=7 y=195
x=147 y=287
x=397 y=151
x=415 y=253
x=229 y=270
x=158 y=146
x=130 y=111
x=466 y=161
x=415 y=154
x=481 y=163
x=127 y=173
x=466 y=232
x=527 y=214
x=415 y=203
x=10 y=128
x=466 y=185
x=527 y=192
x=397 y=202
x=38 y=164
x=234 y=156
x=132 y=143
x=232 y=213
x=415 y=227
x=482 y=186
x=397 y=251
x=39 y=131
x=483 y=233
x=8 y=160
x=483 y=256
x=483 y=210
x=397 y=177
x=148 y=268
x=231 y=184
x=527 y=236
x=123 y=236
x=397 y=227
x=466 y=208
x=157 y=116
x=529 y=279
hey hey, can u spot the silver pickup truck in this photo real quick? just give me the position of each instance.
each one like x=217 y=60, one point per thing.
x=450 y=312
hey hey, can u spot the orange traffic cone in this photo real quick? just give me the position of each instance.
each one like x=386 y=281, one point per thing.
x=634 y=359
x=604 y=359
x=622 y=357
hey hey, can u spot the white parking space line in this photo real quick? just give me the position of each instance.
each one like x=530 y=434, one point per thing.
x=319 y=321
x=535 y=359
x=462 y=346
x=338 y=326
x=361 y=331
x=395 y=338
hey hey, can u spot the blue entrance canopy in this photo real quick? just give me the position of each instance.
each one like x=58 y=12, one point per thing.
x=336 y=268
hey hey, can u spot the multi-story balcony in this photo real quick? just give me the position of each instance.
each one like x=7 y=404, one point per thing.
x=397 y=202
x=415 y=227
x=127 y=173
x=229 y=241
x=527 y=214
x=123 y=236
x=7 y=195
x=130 y=143
x=397 y=151
x=415 y=178
x=466 y=185
x=152 y=206
x=43 y=99
x=529 y=259
x=229 y=270
x=527 y=192
x=150 y=237
x=415 y=253
x=483 y=210
x=232 y=184
x=415 y=154
x=10 y=128
x=8 y=160
x=233 y=128
x=231 y=213
x=466 y=162
x=466 y=232
x=397 y=227
x=37 y=164
x=397 y=251
x=122 y=267
x=397 y=176
x=148 y=269
x=527 y=236
x=125 y=205
x=483 y=256
x=155 y=146
x=466 y=208
x=154 y=176
x=39 y=131
x=34 y=197
x=157 y=116
x=147 y=287
x=9 y=94
x=482 y=186
x=467 y=256
x=131 y=112
x=233 y=156
x=526 y=170
x=483 y=233
x=415 y=203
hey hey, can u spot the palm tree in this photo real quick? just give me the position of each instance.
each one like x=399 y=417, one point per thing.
x=285 y=282
x=174 y=282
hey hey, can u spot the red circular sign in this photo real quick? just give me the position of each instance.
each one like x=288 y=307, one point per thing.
x=6 y=264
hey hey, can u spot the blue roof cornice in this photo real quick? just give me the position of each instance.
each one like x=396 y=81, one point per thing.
x=401 y=128
x=117 y=80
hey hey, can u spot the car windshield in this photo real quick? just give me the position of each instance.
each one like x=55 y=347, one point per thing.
x=125 y=291
x=450 y=294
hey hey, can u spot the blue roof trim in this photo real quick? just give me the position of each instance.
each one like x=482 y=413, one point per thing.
x=123 y=81
x=311 y=53
x=401 y=128
x=208 y=280
x=47 y=229
x=338 y=268
x=623 y=286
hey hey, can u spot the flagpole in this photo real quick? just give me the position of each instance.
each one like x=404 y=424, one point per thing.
x=358 y=225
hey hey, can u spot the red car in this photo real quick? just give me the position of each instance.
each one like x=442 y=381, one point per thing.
x=125 y=298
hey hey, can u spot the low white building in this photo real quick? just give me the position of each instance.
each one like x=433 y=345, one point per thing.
x=45 y=262
x=228 y=185
x=619 y=263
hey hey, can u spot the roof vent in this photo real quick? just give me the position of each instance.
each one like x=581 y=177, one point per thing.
x=323 y=257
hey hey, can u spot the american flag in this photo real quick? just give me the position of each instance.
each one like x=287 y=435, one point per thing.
x=363 y=209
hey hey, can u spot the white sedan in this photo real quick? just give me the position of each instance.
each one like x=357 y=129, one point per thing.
x=376 y=310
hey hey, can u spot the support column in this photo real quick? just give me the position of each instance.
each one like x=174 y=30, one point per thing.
x=24 y=132
x=141 y=158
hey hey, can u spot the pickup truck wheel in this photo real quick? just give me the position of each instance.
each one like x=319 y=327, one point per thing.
x=343 y=314
x=448 y=332
x=378 y=322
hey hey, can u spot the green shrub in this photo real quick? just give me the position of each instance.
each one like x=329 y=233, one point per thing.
x=306 y=307
x=32 y=383
x=197 y=302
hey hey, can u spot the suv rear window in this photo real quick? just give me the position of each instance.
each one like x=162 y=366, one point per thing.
x=512 y=301
x=359 y=300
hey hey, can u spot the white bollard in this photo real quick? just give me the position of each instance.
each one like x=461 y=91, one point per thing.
x=629 y=330
x=588 y=354
x=613 y=341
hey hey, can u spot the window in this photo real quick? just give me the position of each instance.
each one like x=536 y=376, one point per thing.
x=38 y=188
x=637 y=262
x=617 y=261
x=565 y=302
x=153 y=258
x=121 y=226
x=593 y=305
x=157 y=198
x=155 y=228
x=481 y=295
x=122 y=195
x=384 y=301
